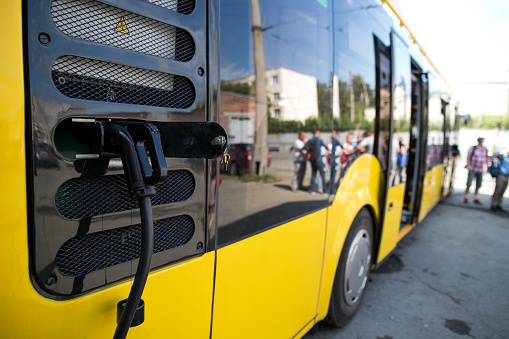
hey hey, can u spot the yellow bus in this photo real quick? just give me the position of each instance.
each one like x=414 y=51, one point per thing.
x=240 y=166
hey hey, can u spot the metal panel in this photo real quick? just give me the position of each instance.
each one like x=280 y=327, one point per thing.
x=89 y=76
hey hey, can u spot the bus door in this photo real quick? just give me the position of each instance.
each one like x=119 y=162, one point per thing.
x=383 y=104
x=417 y=146
x=446 y=151
x=384 y=147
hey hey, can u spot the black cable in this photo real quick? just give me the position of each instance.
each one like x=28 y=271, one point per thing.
x=147 y=246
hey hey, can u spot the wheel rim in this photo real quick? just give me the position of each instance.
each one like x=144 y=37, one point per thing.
x=357 y=267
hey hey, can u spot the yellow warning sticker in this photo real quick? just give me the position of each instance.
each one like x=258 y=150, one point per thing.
x=122 y=27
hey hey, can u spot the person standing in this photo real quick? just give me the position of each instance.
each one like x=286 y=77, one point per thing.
x=400 y=159
x=313 y=147
x=367 y=142
x=348 y=155
x=335 y=149
x=502 y=179
x=299 y=162
x=476 y=158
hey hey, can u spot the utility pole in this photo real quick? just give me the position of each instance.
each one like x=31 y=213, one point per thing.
x=352 y=100
x=507 y=112
x=334 y=87
x=259 y=155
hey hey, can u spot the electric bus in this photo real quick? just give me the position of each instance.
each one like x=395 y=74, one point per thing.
x=119 y=213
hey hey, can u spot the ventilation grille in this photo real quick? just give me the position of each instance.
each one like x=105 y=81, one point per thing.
x=86 y=197
x=96 y=251
x=104 y=24
x=181 y=6
x=90 y=79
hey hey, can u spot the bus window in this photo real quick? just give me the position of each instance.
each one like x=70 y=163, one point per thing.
x=296 y=59
x=401 y=112
x=355 y=69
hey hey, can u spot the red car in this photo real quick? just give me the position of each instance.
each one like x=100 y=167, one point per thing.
x=240 y=158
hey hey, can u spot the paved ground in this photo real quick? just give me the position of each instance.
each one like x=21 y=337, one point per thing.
x=447 y=279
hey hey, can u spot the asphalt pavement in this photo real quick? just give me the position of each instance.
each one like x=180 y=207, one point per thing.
x=448 y=278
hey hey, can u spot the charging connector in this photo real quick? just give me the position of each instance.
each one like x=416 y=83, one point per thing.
x=133 y=141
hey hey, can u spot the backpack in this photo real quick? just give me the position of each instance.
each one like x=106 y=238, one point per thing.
x=344 y=159
x=313 y=153
x=473 y=151
x=401 y=155
x=494 y=167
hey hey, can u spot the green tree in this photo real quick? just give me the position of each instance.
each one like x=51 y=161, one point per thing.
x=236 y=87
x=324 y=98
x=486 y=121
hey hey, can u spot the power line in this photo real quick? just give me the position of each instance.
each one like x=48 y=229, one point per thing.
x=484 y=83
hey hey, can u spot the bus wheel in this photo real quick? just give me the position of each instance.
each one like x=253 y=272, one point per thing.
x=352 y=272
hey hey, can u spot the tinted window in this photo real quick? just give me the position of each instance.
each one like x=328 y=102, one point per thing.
x=297 y=60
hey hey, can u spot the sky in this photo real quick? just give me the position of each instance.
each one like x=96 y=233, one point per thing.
x=468 y=42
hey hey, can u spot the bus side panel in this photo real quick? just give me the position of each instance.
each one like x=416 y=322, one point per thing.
x=13 y=215
x=94 y=315
x=392 y=221
x=362 y=185
x=448 y=179
x=267 y=285
x=431 y=190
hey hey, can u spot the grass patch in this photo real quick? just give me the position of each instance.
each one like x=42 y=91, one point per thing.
x=267 y=178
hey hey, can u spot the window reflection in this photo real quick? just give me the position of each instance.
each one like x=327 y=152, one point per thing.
x=296 y=41
x=435 y=126
x=401 y=113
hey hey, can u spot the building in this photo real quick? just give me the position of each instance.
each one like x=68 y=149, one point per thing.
x=237 y=116
x=293 y=95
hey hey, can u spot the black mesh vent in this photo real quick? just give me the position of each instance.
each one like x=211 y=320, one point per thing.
x=85 y=197
x=96 y=251
x=181 y=6
x=104 y=24
x=90 y=79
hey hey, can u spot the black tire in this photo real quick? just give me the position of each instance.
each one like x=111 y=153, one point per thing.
x=233 y=168
x=348 y=288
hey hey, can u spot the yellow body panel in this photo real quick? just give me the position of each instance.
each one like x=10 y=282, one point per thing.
x=177 y=305
x=447 y=180
x=13 y=214
x=267 y=285
x=392 y=220
x=305 y=330
x=405 y=230
x=431 y=190
x=363 y=185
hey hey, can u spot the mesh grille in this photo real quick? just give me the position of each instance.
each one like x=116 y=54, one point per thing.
x=85 y=197
x=92 y=252
x=90 y=79
x=104 y=24
x=181 y=6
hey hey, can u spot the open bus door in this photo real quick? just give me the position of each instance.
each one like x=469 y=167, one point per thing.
x=446 y=150
x=392 y=199
x=416 y=167
x=404 y=183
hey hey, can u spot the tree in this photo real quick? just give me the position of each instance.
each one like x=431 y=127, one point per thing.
x=236 y=87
